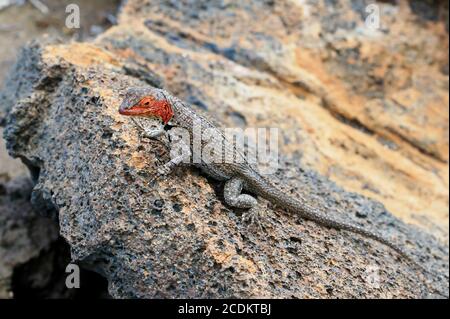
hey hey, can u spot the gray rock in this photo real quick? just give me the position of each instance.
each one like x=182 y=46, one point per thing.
x=24 y=234
x=156 y=238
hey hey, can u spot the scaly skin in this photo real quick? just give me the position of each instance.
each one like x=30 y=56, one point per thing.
x=145 y=103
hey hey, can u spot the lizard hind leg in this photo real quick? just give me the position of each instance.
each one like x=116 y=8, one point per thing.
x=233 y=197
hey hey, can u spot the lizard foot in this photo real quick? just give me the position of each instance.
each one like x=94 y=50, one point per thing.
x=162 y=172
x=253 y=217
x=165 y=169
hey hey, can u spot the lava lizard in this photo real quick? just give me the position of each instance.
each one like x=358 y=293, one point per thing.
x=147 y=103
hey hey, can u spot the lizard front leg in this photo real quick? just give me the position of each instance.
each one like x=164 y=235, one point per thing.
x=150 y=131
x=180 y=152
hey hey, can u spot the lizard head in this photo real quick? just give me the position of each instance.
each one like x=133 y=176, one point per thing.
x=146 y=102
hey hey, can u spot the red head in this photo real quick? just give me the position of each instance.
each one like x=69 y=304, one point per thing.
x=136 y=104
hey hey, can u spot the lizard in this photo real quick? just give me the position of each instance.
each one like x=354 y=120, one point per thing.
x=146 y=104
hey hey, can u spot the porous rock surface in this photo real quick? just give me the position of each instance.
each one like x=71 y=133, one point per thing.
x=24 y=233
x=351 y=105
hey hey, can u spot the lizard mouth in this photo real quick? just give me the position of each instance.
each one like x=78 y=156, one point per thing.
x=134 y=111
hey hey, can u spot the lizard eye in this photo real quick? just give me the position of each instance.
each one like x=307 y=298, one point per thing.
x=146 y=101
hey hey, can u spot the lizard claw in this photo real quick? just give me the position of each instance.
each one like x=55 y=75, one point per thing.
x=165 y=169
x=253 y=218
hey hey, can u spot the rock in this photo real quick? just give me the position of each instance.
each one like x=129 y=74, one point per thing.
x=24 y=234
x=33 y=257
x=10 y=168
x=374 y=102
x=335 y=91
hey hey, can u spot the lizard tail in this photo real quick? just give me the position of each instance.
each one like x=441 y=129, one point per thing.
x=300 y=206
